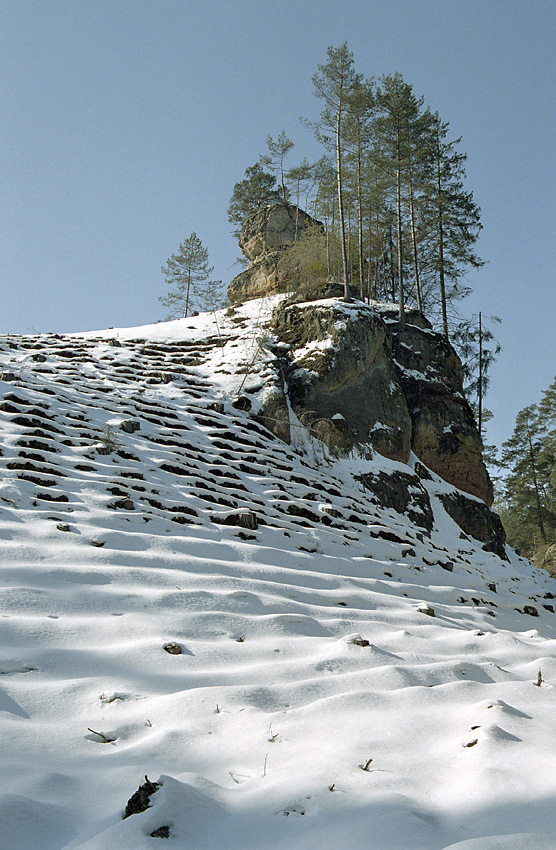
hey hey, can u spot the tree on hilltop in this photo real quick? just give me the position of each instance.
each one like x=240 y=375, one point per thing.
x=277 y=151
x=188 y=273
x=257 y=189
x=333 y=84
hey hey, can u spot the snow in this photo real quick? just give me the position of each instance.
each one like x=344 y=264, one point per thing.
x=313 y=702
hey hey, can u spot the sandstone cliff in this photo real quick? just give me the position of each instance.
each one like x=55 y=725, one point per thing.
x=266 y=232
x=351 y=376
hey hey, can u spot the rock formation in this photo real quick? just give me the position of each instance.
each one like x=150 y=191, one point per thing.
x=266 y=232
x=351 y=376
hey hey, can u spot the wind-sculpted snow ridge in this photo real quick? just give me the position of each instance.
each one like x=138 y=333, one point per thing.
x=289 y=663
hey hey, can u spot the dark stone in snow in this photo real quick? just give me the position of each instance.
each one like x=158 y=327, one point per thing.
x=161 y=832
x=139 y=802
x=130 y=425
x=242 y=403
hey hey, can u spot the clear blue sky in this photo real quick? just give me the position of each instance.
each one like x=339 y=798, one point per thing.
x=126 y=123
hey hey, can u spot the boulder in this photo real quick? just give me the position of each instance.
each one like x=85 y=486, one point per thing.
x=476 y=520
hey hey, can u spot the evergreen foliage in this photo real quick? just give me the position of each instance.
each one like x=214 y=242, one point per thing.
x=390 y=188
x=528 y=500
x=257 y=188
x=274 y=159
x=390 y=191
x=479 y=349
x=187 y=273
x=334 y=84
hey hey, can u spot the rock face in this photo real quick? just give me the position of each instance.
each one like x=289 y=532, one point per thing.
x=266 y=232
x=444 y=432
x=341 y=380
x=352 y=377
x=477 y=521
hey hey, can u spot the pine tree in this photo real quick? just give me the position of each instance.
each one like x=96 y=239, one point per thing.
x=390 y=127
x=256 y=189
x=528 y=513
x=360 y=106
x=277 y=151
x=453 y=217
x=188 y=273
x=333 y=84
x=478 y=349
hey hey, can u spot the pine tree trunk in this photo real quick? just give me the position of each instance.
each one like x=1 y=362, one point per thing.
x=392 y=277
x=535 y=482
x=480 y=388
x=401 y=301
x=347 y=295
x=186 y=310
x=414 y=240
x=360 y=222
x=442 y=281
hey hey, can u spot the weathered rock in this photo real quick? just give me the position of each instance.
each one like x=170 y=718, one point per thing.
x=272 y=227
x=275 y=414
x=242 y=403
x=444 y=433
x=349 y=374
x=140 y=801
x=161 y=832
x=130 y=425
x=265 y=276
x=477 y=520
x=266 y=233
x=404 y=493
x=242 y=519
x=340 y=366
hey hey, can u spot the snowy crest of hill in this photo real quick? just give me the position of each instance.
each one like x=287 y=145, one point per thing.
x=289 y=658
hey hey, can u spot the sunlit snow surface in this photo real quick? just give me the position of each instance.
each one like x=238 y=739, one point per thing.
x=274 y=727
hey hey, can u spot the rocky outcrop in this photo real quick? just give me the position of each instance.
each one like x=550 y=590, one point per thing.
x=272 y=227
x=352 y=377
x=476 y=520
x=340 y=378
x=402 y=492
x=444 y=432
x=349 y=374
x=267 y=275
x=265 y=234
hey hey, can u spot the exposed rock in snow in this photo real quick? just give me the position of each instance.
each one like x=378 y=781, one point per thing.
x=315 y=700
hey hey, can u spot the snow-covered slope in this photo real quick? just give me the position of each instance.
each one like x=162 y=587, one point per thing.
x=339 y=677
